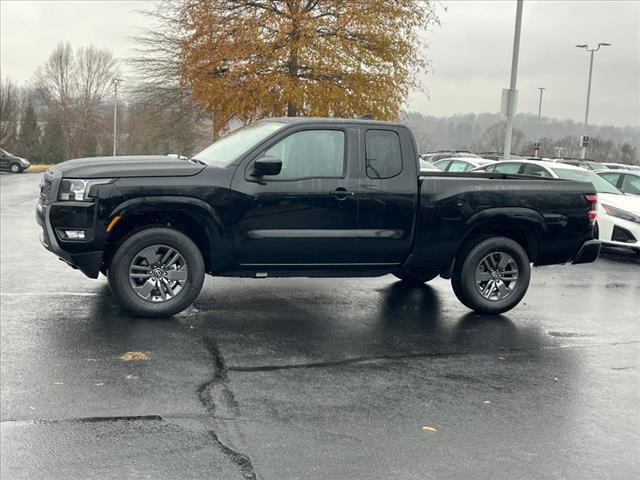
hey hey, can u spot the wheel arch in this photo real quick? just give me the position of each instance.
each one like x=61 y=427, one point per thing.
x=191 y=216
x=523 y=225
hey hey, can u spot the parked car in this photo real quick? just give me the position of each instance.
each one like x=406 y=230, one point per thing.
x=427 y=166
x=588 y=164
x=301 y=197
x=625 y=180
x=498 y=156
x=621 y=166
x=435 y=156
x=13 y=163
x=461 y=164
x=618 y=214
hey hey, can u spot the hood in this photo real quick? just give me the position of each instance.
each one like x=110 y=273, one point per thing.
x=24 y=161
x=630 y=203
x=128 y=166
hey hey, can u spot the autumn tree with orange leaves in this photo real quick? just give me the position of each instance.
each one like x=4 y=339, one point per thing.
x=250 y=59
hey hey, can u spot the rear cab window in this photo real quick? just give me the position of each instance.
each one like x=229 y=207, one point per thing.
x=383 y=153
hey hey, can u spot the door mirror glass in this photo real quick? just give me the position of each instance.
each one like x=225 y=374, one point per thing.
x=268 y=166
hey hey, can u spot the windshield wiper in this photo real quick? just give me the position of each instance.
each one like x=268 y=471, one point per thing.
x=196 y=161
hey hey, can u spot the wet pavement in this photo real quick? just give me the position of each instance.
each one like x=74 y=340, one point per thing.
x=314 y=378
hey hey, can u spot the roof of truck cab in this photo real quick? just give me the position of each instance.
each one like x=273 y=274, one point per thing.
x=355 y=121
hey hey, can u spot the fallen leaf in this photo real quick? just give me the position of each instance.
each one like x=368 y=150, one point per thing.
x=555 y=378
x=487 y=402
x=32 y=408
x=132 y=377
x=91 y=360
x=501 y=359
x=58 y=383
x=427 y=428
x=134 y=356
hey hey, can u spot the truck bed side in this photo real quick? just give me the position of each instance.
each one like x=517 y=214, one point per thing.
x=547 y=217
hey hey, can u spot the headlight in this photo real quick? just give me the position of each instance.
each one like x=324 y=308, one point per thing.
x=77 y=189
x=619 y=213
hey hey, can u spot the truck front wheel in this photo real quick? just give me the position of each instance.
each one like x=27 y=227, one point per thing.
x=156 y=272
x=491 y=275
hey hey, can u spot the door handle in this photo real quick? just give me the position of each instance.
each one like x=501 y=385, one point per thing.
x=341 y=193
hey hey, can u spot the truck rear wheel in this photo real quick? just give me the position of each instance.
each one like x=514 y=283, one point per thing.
x=491 y=275
x=415 y=278
x=156 y=272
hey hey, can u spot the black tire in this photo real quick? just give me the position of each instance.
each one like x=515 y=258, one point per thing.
x=469 y=258
x=414 y=278
x=15 y=168
x=118 y=273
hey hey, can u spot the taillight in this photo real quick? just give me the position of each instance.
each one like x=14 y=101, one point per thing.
x=592 y=198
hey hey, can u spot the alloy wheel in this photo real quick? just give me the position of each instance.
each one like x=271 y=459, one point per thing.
x=496 y=276
x=158 y=273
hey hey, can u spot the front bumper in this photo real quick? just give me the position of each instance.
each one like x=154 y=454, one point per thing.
x=87 y=262
x=588 y=253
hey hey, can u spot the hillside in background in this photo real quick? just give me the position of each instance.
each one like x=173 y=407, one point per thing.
x=478 y=132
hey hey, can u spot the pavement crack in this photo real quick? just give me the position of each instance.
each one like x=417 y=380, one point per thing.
x=219 y=380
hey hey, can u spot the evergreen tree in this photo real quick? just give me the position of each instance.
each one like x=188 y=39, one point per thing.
x=53 y=141
x=29 y=135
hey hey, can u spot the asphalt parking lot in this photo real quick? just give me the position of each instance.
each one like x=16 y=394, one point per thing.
x=314 y=379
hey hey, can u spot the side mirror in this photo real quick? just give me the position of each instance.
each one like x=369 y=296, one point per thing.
x=267 y=166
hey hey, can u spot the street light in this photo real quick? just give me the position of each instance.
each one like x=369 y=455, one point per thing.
x=584 y=140
x=536 y=145
x=115 y=113
x=512 y=92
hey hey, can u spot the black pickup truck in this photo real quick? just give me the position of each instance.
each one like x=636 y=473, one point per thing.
x=311 y=198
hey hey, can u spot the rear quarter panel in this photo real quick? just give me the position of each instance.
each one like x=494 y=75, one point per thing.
x=451 y=208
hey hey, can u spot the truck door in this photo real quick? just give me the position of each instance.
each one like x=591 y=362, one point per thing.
x=388 y=195
x=306 y=214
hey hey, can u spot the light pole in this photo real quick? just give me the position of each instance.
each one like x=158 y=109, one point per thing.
x=536 y=146
x=584 y=140
x=511 y=99
x=115 y=114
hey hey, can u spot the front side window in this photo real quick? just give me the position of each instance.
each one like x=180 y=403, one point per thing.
x=309 y=154
x=384 y=157
x=442 y=164
x=535 y=170
x=631 y=184
x=458 y=166
x=507 y=168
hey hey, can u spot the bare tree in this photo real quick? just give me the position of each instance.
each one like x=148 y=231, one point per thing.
x=55 y=83
x=493 y=138
x=73 y=85
x=94 y=72
x=9 y=111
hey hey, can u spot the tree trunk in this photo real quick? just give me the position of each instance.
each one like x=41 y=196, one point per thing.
x=292 y=104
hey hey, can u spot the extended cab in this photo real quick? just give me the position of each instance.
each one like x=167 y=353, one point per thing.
x=308 y=197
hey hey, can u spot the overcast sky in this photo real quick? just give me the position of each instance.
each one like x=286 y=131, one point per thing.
x=470 y=51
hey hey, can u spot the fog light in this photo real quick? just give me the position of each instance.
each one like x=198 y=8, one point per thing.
x=72 y=234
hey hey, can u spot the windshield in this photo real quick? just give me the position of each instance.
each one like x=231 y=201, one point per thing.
x=232 y=146
x=600 y=184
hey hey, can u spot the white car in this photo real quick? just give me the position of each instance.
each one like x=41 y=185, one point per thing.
x=461 y=164
x=621 y=166
x=618 y=219
x=626 y=180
